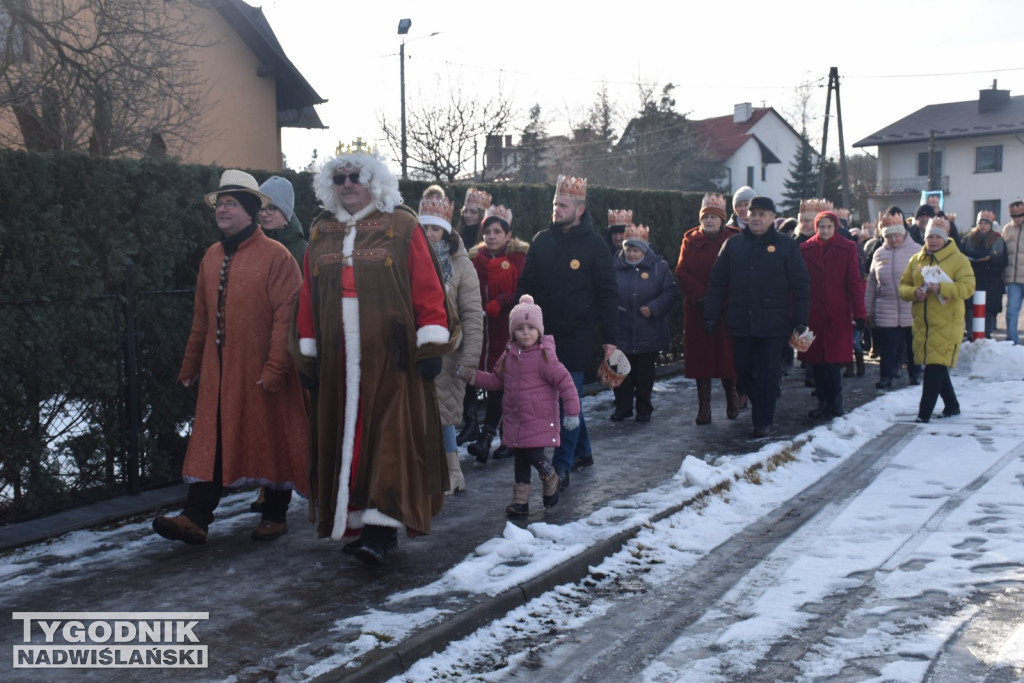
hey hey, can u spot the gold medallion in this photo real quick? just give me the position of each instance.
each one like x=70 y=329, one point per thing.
x=574 y=264
x=505 y=265
x=771 y=248
x=644 y=276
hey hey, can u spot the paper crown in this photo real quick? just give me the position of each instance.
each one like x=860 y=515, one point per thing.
x=987 y=216
x=637 y=232
x=500 y=211
x=939 y=222
x=477 y=199
x=436 y=206
x=843 y=213
x=891 y=219
x=620 y=216
x=815 y=206
x=713 y=201
x=570 y=186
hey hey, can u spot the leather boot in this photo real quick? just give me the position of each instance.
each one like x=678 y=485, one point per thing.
x=481 y=448
x=470 y=426
x=732 y=399
x=859 y=357
x=836 y=406
x=551 y=484
x=849 y=370
x=456 y=482
x=520 y=504
x=821 y=412
x=502 y=451
x=703 y=401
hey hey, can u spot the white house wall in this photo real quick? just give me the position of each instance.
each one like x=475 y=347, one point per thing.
x=779 y=138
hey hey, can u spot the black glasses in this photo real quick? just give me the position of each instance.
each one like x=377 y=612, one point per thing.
x=1017 y=215
x=340 y=178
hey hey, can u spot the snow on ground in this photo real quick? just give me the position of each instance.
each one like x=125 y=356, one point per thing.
x=942 y=519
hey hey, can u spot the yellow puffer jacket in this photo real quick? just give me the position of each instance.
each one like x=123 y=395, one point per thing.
x=938 y=327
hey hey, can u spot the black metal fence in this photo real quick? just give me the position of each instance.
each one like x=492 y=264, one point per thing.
x=89 y=407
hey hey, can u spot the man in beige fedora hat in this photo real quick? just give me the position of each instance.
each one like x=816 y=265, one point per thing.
x=250 y=423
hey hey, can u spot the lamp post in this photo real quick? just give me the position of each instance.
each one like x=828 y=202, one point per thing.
x=403 y=28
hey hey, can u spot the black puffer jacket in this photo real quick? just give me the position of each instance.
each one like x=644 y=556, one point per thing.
x=765 y=283
x=570 y=276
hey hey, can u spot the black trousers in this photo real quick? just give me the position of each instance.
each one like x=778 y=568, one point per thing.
x=527 y=458
x=758 y=362
x=936 y=383
x=828 y=382
x=639 y=384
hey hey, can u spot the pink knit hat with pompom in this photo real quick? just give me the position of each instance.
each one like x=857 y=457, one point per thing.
x=525 y=312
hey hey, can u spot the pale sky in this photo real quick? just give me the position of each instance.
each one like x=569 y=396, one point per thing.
x=893 y=58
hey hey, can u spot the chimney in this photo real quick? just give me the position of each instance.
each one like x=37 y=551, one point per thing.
x=992 y=99
x=741 y=113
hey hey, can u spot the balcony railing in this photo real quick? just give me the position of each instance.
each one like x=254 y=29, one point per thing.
x=913 y=185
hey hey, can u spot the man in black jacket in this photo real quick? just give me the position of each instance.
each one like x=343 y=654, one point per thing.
x=762 y=278
x=569 y=273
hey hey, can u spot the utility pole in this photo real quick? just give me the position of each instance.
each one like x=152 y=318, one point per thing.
x=833 y=85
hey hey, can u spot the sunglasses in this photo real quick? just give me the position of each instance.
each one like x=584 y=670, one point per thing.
x=341 y=177
x=1017 y=215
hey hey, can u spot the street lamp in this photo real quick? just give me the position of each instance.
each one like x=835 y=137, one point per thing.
x=403 y=28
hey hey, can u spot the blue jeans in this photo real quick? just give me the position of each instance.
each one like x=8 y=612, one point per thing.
x=448 y=432
x=575 y=444
x=1014 y=296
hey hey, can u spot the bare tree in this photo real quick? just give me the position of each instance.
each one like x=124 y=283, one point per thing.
x=111 y=77
x=443 y=138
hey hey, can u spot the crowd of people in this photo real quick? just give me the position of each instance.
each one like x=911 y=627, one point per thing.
x=352 y=367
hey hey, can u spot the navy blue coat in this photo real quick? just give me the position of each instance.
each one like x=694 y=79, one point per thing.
x=765 y=283
x=648 y=283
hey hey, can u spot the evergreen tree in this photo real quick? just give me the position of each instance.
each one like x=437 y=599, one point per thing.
x=803 y=179
x=531 y=146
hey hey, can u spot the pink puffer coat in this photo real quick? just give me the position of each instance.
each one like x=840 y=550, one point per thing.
x=882 y=289
x=533 y=380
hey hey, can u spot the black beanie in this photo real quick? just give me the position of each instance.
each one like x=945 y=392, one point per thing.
x=250 y=202
x=925 y=210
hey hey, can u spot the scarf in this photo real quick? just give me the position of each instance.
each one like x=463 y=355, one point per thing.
x=443 y=251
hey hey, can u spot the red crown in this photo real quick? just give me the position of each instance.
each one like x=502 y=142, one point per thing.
x=436 y=206
x=501 y=211
x=637 y=232
x=570 y=186
x=713 y=201
x=477 y=199
x=620 y=216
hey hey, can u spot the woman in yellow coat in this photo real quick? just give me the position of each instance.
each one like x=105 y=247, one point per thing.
x=937 y=280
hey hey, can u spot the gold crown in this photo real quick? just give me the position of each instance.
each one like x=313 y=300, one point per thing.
x=987 y=216
x=477 y=199
x=437 y=206
x=570 y=186
x=500 y=211
x=892 y=219
x=843 y=213
x=713 y=201
x=815 y=206
x=620 y=216
x=357 y=146
x=940 y=222
x=637 y=232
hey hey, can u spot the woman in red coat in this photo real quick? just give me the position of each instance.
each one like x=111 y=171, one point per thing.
x=707 y=356
x=499 y=260
x=837 y=304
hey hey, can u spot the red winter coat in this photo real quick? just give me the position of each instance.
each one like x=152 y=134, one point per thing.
x=706 y=356
x=499 y=276
x=533 y=380
x=837 y=298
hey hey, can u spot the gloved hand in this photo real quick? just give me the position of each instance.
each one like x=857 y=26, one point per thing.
x=571 y=423
x=709 y=326
x=859 y=323
x=429 y=368
x=493 y=308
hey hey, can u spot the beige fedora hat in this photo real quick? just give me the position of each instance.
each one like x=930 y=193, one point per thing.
x=232 y=180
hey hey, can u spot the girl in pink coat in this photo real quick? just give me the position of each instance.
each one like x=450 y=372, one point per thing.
x=533 y=381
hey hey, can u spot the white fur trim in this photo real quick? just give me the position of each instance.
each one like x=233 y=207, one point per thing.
x=307 y=347
x=432 y=334
x=350 y=324
x=374 y=517
x=383 y=185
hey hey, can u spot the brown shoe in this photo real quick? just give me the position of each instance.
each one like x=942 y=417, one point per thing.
x=180 y=528
x=268 y=531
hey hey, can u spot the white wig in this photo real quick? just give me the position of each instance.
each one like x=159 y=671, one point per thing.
x=373 y=174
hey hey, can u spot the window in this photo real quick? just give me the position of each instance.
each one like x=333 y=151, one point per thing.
x=992 y=205
x=750 y=176
x=988 y=159
x=764 y=174
x=922 y=164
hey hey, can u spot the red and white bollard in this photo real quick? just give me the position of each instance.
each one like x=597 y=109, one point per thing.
x=978 y=324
